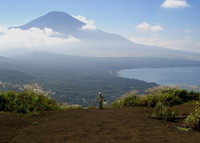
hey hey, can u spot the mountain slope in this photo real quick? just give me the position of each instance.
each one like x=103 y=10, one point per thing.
x=57 y=21
x=97 y=43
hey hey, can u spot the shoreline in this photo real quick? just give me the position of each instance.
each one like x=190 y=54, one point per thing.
x=185 y=76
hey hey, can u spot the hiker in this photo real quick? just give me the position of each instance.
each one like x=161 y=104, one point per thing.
x=100 y=100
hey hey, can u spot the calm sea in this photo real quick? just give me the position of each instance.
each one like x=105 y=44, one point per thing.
x=163 y=76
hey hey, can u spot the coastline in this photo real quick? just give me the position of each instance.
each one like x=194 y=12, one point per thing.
x=164 y=75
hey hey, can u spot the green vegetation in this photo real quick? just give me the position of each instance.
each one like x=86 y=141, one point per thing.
x=75 y=85
x=161 y=99
x=92 y=107
x=193 y=120
x=130 y=100
x=26 y=102
x=183 y=129
x=70 y=107
x=168 y=96
x=164 y=112
x=77 y=80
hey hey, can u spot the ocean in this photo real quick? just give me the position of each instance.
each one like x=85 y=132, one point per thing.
x=165 y=75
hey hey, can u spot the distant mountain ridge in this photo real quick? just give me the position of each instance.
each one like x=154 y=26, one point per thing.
x=97 y=43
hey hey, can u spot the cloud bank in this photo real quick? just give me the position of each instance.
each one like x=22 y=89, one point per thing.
x=175 y=4
x=33 y=39
x=186 y=44
x=148 y=27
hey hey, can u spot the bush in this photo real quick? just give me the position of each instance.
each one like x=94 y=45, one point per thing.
x=129 y=101
x=193 y=120
x=116 y=104
x=26 y=102
x=125 y=101
x=170 y=114
x=166 y=95
x=158 y=110
x=152 y=100
x=194 y=95
x=164 y=112
x=170 y=99
x=170 y=96
x=183 y=94
x=141 y=101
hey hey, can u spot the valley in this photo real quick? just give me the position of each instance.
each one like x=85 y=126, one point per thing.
x=78 y=80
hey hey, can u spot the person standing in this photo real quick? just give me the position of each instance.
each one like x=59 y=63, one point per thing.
x=100 y=99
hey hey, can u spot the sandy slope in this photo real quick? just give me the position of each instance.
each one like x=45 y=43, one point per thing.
x=117 y=125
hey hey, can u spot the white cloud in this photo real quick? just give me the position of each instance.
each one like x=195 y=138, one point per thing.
x=187 y=44
x=89 y=23
x=156 y=28
x=190 y=31
x=32 y=39
x=175 y=4
x=147 y=27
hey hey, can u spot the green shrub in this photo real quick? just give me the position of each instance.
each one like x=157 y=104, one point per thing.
x=152 y=100
x=170 y=114
x=141 y=101
x=168 y=96
x=129 y=101
x=162 y=111
x=193 y=120
x=194 y=95
x=158 y=110
x=116 y=104
x=26 y=102
x=170 y=99
x=126 y=101
x=183 y=94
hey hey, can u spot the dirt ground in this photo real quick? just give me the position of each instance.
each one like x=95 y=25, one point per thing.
x=114 y=125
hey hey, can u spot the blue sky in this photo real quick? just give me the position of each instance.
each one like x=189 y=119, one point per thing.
x=165 y=23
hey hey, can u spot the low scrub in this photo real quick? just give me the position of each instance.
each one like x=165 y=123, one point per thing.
x=125 y=101
x=69 y=107
x=193 y=120
x=26 y=102
x=164 y=112
x=168 y=96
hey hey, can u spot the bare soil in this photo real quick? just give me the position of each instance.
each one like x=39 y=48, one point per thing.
x=113 y=125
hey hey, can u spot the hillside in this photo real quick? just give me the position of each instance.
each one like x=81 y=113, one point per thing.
x=74 y=78
x=92 y=125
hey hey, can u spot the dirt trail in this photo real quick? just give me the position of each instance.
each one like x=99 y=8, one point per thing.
x=116 y=125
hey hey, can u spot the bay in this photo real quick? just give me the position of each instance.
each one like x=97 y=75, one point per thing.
x=165 y=75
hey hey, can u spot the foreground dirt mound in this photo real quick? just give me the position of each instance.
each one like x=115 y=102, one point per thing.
x=117 y=125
